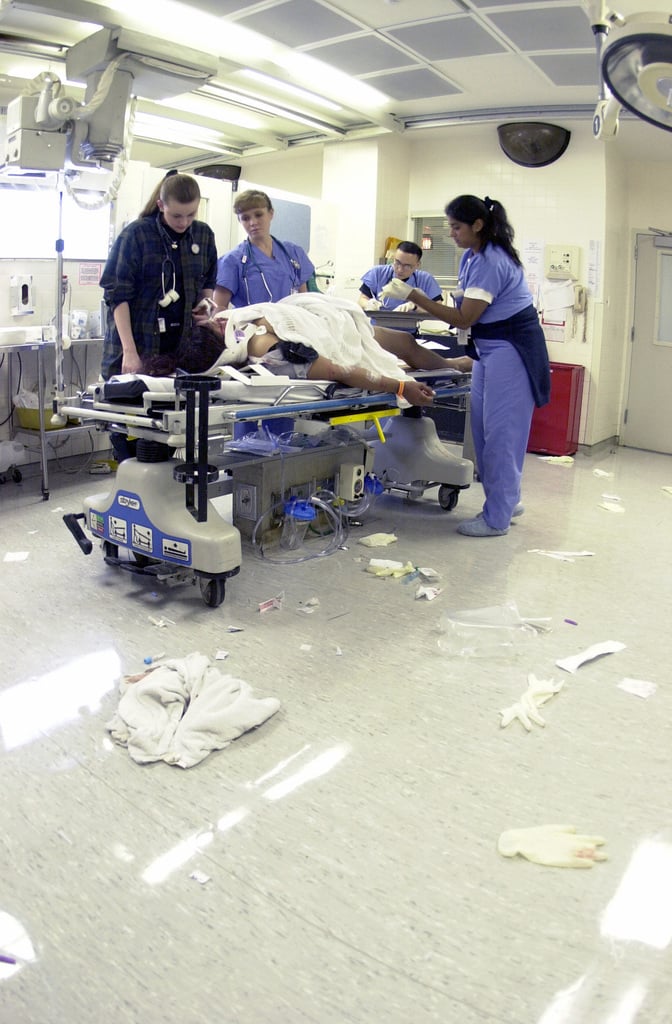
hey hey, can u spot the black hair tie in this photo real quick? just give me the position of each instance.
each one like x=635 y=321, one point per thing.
x=488 y=203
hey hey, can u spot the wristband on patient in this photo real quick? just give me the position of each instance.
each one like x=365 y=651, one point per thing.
x=400 y=390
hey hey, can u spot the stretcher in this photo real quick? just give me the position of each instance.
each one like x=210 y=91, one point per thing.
x=307 y=437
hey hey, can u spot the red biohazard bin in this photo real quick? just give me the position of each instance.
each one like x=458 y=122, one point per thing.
x=555 y=427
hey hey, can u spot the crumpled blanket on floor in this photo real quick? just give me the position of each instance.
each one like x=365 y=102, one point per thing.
x=185 y=709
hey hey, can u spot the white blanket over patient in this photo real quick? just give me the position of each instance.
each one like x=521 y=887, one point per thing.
x=185 y=709
x=336 y=328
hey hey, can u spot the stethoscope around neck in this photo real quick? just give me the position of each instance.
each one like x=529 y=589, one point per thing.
x=249 y=256
x=170 y=245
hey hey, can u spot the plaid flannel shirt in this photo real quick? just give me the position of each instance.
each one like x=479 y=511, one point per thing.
x=132 y=274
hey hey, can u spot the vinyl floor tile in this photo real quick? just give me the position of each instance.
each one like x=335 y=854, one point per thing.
x=347 y=849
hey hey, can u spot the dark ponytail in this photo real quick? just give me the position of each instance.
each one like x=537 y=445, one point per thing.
x=496 y=227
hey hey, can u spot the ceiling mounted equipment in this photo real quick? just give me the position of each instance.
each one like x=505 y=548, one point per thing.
x=224 y=172
x=637 y=67
x=634 y=56
x=533 y=143
x=50 y=130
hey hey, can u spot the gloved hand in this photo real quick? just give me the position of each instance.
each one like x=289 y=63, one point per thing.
x=556 y=846
x=395 y=289
x=372 y=305
x=405 y=307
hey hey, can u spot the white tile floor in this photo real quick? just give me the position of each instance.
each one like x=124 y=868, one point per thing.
x=369 y=888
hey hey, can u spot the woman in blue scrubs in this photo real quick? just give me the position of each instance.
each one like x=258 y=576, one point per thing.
x=511 y=373
x=260 y=269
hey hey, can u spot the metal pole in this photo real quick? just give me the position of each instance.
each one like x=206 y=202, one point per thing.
x=58 y=340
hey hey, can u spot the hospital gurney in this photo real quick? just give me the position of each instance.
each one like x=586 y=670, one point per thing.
x=158 y=519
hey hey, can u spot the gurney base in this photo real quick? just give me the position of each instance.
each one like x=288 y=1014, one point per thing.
x=413 y=459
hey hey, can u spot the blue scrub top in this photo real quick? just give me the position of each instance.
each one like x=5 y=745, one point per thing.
x=383 y=273
x=253 y=277
x=493 y=272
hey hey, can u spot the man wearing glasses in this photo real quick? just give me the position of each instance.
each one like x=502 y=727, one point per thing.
x=406 y=267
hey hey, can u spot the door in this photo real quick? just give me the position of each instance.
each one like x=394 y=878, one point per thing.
x=648 y=412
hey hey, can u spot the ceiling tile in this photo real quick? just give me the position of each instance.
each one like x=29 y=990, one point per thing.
x=481 y=4
x=446 y=38
x=299 y=22
x=569 y=69
x=414 y=84
x=543 y=29
x=362 y=55
x=222 y=8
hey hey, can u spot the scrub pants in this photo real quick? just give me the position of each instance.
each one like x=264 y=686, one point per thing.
x=501 y=415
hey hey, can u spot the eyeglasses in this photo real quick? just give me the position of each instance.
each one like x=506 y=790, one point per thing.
x=404 y=266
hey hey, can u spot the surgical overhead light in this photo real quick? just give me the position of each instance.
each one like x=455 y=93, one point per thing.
x=634 y=66
x=637 y=67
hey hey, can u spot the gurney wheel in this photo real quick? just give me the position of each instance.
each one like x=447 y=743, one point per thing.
x=213 y=591
x=448 y=497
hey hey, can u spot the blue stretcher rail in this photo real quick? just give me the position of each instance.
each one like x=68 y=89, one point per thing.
x=347 y=402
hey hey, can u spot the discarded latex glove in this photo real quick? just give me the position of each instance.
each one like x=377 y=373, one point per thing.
x=383 y=566
x=562 y=460
x=396 y=289
x=556 y=846
x=386 y=567
x=428 y=592
x=526 y=709
x=612 y=506
x=405 y=307
x=372 y=305
x=377 y=540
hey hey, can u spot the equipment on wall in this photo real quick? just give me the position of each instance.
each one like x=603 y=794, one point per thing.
x=634 y=67
x=533 y=143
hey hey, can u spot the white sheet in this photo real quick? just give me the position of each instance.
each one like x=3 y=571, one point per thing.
x=185 y=709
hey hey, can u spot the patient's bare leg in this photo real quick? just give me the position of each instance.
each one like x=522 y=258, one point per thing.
x=404 y=346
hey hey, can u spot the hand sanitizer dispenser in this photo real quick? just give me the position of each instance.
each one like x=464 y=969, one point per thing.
x=21 y=295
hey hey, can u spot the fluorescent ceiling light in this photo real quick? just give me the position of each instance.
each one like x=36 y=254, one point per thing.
x=292 y=90
x=194 y=27
x=220 y=92
x=203 y=107
x=162 y=129
x=352 y=93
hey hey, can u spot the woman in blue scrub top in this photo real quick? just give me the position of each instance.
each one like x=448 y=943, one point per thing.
x=511 y=373
x=260 y=269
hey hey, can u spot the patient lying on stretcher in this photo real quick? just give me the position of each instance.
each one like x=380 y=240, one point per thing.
x=312 y=336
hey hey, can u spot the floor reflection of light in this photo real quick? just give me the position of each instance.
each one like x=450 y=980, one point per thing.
x=232 y=819
x=161 y=868
x=561 y=1010
x=641 y=908
x=14 y=945
x=629 y=1006
x=279 y=767
x=41 y=705
x=320 y=765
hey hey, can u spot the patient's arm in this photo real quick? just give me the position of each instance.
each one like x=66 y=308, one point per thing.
x=357 y=377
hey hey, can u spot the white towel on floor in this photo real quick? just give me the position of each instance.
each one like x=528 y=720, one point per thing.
x=185 y=709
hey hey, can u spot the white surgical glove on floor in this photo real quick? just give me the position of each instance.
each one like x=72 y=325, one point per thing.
x=555 y=846
x=526 y=709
